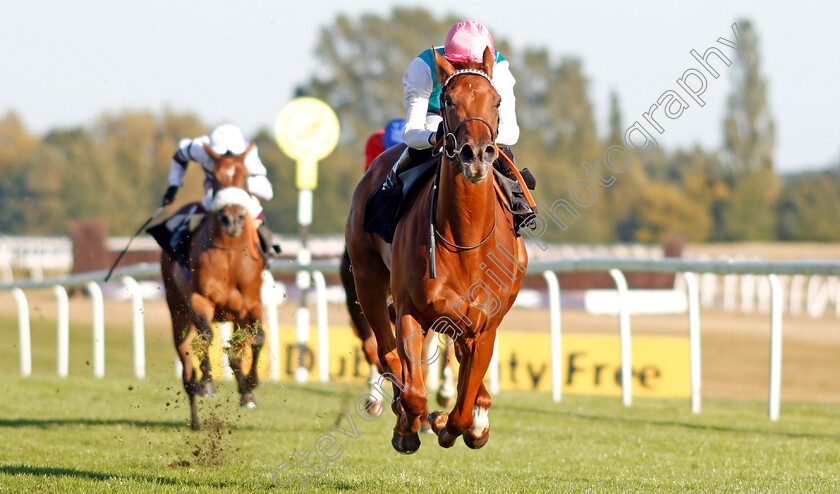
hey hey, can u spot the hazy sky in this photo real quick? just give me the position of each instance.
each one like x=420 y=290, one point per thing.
x=63 y=63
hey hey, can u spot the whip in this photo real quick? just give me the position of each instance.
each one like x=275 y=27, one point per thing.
x=119 y=258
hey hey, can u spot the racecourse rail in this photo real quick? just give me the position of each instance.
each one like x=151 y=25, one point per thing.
x=546 y=268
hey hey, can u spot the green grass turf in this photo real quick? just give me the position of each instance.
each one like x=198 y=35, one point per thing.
x=120 y=434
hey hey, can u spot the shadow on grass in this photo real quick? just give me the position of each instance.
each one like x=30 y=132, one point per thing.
x=44 y=423
x=671 y=423
x=84 y=474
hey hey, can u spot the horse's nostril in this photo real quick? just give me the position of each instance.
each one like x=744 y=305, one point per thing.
x=467 y=154
x=490 y=153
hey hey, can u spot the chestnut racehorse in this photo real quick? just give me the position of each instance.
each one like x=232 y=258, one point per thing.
x=479 y=263
x=362 y=330
x=223 y=285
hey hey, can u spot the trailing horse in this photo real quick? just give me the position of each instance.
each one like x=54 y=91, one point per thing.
x=457 y=228
x=222 y=283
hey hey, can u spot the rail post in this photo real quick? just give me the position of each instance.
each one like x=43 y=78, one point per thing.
x=777 y=298
x=24 y=335
x=555 y=332
x=98 y=329
x=694 y=339
x=624 y=333
x=63 y=330
x=323 y=326
x=137 y=330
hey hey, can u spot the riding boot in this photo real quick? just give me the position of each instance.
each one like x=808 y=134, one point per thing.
x=403 y=163
x=267 y=246
x=523 y=214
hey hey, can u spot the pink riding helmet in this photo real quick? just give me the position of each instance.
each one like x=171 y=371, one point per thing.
x=466 y=42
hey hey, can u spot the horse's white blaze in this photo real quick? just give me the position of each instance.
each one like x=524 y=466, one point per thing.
x=481 y=421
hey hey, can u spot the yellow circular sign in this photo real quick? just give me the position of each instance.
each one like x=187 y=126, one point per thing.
x=306 y=129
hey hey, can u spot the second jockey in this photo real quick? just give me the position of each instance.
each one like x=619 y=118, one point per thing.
x=224 y=139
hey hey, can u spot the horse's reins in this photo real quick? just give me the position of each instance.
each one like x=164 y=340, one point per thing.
x=454 y=154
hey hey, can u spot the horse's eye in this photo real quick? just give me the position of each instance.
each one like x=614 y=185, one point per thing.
x=447 y=102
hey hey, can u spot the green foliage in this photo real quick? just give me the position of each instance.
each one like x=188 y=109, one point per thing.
x=749 y=131
x=663 y=209
x=805 y=205
x=749 y=212
x=362 y=63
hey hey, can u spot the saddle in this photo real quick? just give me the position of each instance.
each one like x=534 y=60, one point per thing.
x=385 y=205
x=173 y=234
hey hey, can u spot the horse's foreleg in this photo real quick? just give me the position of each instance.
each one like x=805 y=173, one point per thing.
x=475 y=359
x=479 y=432
x=413 y=397
x=203 y=311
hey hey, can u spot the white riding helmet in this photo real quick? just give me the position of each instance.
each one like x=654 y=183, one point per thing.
x=227 y=138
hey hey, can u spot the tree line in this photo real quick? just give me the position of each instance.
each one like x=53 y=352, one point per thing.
x=116 y=168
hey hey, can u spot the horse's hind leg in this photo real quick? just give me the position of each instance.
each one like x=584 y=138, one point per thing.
x=363 y=332
x=447 y=390
x=183 y=339
x=372 y=281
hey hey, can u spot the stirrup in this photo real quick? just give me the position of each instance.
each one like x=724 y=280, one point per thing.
x=403 y=163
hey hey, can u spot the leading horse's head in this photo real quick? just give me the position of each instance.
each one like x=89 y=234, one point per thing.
x=470 y=111
x=230 y=188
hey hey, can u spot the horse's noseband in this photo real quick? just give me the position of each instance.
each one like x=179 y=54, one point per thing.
x=454 y=152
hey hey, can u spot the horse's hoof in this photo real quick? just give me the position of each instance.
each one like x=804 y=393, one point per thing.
x=206 y=389
x=248 y=401
x=438 y=421
x=194 y=425
x=406 y=444
x=445 y=400
x=474 y=443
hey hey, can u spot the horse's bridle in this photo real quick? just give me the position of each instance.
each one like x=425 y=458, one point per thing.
x=454 y=152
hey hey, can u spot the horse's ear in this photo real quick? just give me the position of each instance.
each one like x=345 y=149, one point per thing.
x=489 y=60
x=248 y=149
x=211 y=153
x=446 y=68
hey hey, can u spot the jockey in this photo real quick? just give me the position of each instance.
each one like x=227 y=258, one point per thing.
x=466 y=41
x=224 y=139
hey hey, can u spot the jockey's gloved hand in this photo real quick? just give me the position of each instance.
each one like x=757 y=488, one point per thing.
x=169 y=195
